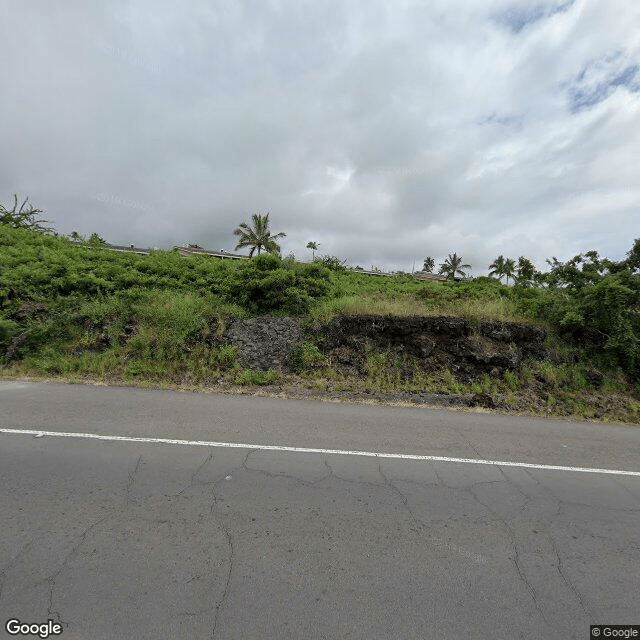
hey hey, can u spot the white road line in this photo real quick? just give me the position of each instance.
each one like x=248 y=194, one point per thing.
x=340 y=452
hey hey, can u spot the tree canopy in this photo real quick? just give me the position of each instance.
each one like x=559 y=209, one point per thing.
x=259 y=236
x=453 y=266
x=23 y=217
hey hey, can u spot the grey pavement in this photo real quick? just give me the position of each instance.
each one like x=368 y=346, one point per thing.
x=152 y=540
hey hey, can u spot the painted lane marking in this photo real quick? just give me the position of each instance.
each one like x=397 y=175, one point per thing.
x=341 y=452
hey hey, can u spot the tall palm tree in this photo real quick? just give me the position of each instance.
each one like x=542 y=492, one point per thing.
x=453 y=265
x=510 y=269
x=259 y=236
x=503 y=267
x=429 y=263
x=526 y=271
x=314 y=247
x=497 y=267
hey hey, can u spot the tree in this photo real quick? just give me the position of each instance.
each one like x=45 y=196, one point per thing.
x=501 y=267
x=582 y=270
x=509 y=268
x=24 y=217
x=452 y=266
x=259 y=236
x=497 y=267
x=96 y=240
x=525 y=272
x=598 y=306
x=314 y=247
x=632 y=261
x=429 y=264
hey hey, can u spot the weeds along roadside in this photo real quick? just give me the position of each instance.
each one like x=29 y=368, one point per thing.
x=87 y=313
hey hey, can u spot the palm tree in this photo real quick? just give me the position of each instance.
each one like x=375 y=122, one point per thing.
x=429 y=263
x=314 y=247
x=510 y=268
x=526 y=272
x=453 y=265
x=259 y=237
x=497 y=267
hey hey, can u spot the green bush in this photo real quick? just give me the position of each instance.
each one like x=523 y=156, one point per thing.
x=305 y=355
x=8 y=329
x=331 y=262
x=602 y=316
x=268 y=284
x=88 y=289
x=226 y=355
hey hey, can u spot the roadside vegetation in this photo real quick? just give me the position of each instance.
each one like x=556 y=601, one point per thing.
x=74 y=309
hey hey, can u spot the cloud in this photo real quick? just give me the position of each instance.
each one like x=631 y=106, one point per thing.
x=384 y=131
x=517 y=17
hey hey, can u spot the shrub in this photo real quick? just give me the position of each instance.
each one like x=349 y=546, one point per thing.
x=331 y=262
x=8 y=329
x=603 y=316
x=268 y=284
x=226 y=355
x=305 y=355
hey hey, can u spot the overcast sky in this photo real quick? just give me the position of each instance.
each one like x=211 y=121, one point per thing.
x=384 y=131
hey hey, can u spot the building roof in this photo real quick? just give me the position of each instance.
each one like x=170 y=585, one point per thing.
x=194 y=249
x=131 y=248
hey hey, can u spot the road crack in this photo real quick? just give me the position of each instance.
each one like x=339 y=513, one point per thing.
x=193 y=480
x=225 y=594
x=516 y=554
x=130 y=481
x=12 y=563
x=269 y=474
x=403 y=498
x=569 y=584
x=51 y=580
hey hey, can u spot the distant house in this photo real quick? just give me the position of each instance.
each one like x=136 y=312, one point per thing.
x=371 y=273
x=437 y=277
x=424 y=275
x=184 y=251
x=130 y=249
x=194 y=249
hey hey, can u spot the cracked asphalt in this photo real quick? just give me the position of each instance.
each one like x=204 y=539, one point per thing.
x=145 y=540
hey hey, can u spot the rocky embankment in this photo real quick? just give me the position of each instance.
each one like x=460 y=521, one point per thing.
x=468 y=350
x=434 y=344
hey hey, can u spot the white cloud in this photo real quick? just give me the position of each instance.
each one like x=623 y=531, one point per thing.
x=385 y=131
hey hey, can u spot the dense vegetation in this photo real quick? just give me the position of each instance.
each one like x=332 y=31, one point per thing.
x=66 y=305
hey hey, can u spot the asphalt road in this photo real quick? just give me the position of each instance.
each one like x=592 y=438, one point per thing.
x=155 y=538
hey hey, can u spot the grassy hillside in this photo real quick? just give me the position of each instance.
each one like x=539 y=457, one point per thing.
x=83 y=312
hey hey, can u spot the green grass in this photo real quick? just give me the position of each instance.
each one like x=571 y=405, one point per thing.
x=426 y=300
x=153 y=320
x=305 y=355
x=249 y=377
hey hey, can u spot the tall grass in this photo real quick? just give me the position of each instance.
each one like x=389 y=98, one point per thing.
x=404 y=304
